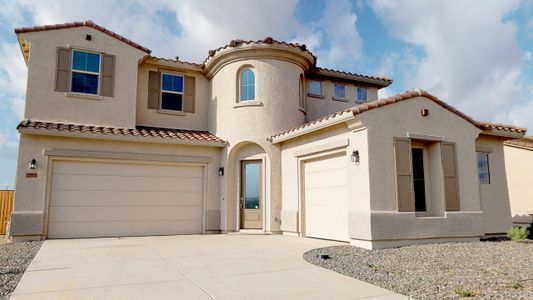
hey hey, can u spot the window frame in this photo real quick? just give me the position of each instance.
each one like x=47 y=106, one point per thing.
x=99 y=74
x=486 y=155
x=239 y=84
x=311 y=81
x=357 y=94
x=301 y=92
x=182 y=93
x=335 y=97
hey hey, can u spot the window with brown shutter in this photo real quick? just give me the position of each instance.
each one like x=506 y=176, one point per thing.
x=404 y=175
x=107 y=76
x=62 y=83
x=154 y=89
x=190 y=89
x=449 y=167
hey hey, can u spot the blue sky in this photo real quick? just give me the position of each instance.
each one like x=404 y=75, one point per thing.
x=476 y=55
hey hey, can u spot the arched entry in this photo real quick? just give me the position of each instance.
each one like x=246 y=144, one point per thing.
x=247 y=187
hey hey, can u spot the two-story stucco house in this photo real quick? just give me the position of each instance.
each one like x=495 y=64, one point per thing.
x=116 y=142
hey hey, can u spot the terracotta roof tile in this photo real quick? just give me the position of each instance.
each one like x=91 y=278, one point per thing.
x=336 y=73
x=525 y=142
x=398 y=98
x=87 y=23
x=267 y=40
x=510 y=128
x=145 y=131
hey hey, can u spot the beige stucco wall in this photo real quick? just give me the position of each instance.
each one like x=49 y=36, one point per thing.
x=373 y=215
x=495 y=196
x=314 y=145
x=43 y=103
x=157 y=118
x=30 y=194
x=321 y=106
x=404 y=118
x=275 y=108
x=519 y=166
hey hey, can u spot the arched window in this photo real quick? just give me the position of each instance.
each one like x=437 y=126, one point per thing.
x=247 y=85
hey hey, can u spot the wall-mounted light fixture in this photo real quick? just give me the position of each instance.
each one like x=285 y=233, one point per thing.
x=355 y=157
x=221 y=171
x=32 y=164
x=424 y=112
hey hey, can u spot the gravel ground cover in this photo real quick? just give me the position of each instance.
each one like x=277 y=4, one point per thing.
x=14 y=259
x=483 y=270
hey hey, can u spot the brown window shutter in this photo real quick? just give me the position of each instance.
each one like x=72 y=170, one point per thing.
x=404 y=182
x=190 y=88
x=107 y=84
x=450 y=176
x=154 y=89
x=63 y=70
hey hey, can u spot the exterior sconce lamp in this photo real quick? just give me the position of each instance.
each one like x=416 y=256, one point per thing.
x=355 y=157
x=32 y=164
x=221 y=171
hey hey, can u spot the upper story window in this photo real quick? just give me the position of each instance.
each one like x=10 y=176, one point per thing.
x=315 y=87
x=483 y=167
x=339 y=91
x=362 y=94
x=85 y=72
x=172 y=92
x=247 y=85
x=301 y=91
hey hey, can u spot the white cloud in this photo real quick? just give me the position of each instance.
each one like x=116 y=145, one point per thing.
x=473 y=59
x=13 y=78
x=334 y=38
x=8 y=147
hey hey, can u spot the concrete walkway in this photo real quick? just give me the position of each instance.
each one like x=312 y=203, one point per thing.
x=187 y=267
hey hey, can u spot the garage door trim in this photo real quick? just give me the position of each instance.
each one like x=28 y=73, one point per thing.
x=52 y=159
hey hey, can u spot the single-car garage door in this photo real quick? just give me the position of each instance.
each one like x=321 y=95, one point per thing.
x=326 y=198
x=101 y=199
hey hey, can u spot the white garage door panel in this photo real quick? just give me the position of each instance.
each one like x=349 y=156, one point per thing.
x=125 y=183
x=326 y=198
x=124 y=198
x=94 y=199
x=124 y=169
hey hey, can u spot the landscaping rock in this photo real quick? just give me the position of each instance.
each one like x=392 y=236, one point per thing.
x=14 y=259
x=488 y=270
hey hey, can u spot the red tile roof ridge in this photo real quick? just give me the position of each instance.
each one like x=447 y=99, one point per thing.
x=410 y=94
x=145 y=131
x=177 y=61
x=268 y=40
x=355 y=74
x=87 y=23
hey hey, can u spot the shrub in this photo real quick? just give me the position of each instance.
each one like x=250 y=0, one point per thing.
x=517 y=233
x=515 y=285
x=464 y=293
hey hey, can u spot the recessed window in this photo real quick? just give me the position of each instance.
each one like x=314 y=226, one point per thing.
x=172 y=92
x=315 y=87
x=301 y=91
x=340 y=91
x=85 y=72
x=247 y=85
x=362 y=94
x=483 y=168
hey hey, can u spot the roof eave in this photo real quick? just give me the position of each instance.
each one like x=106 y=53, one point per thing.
x=130 y=138
x=312 y=128
x=505 y=134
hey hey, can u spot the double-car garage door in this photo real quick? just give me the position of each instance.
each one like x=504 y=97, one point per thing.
x=109 y=199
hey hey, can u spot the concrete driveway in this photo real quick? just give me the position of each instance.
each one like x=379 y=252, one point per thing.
x=187 y=267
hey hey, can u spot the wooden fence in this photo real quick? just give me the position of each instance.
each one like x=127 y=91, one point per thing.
x=6 y=205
